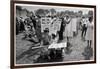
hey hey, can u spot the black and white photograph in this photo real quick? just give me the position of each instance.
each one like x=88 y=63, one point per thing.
x=49 y=34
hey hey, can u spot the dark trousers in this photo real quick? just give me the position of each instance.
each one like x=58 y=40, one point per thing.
x=84 y=31
x=61 y=35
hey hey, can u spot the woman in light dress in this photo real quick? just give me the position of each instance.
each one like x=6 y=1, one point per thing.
x=68 y=29
x=89 y=33
x=74 y=25
x=68 y=33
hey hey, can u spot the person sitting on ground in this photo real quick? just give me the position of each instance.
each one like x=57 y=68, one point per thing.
x=46 y=38
x=22 y=28
x=55 y=38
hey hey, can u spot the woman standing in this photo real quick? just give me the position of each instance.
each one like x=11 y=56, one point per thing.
x=68 y=29
x=74 y=25
x=89 y=33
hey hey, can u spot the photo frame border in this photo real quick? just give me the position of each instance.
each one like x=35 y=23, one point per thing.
x=12 y=65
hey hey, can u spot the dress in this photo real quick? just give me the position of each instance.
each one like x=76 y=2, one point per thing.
x=74 y=24
x=89 y=33
x=68 y=30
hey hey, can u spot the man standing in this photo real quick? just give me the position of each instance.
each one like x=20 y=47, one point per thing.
x=61 y=30
x=84 y=27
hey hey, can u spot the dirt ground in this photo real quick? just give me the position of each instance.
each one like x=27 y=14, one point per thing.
x=77 y=51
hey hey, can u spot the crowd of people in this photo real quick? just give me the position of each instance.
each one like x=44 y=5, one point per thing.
x=70 y=28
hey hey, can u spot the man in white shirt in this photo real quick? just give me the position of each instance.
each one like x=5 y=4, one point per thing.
x=84 y=26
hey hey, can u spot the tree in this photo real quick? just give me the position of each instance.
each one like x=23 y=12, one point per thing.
x=53 y=11
x=47 y=11
x=80 y=13
x=19 y=8
x=90 y=13
x=67 y=11
x=62 y=13
x=58 y=14
x=30 y=13
x=40 y=12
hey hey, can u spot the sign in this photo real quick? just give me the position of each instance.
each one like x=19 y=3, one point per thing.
x=52 y=24
x=56 y=46
x=45 y=23
x=56 y=26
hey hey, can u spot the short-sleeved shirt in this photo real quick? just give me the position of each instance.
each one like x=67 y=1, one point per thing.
x=46 y=39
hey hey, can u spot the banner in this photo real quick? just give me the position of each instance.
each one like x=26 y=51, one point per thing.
x=56 y=26
x=52 y=24
x=45 y=23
